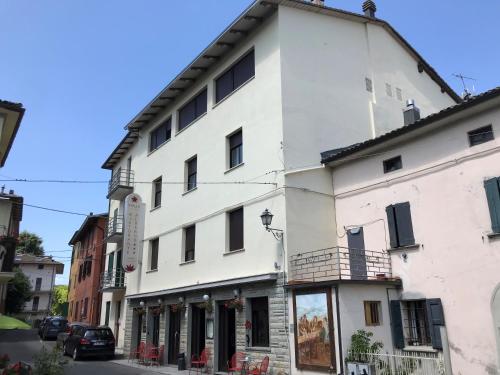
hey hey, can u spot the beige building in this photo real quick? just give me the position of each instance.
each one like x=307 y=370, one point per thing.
x=428 y=194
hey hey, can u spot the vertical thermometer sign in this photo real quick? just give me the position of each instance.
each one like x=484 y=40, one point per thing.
x=133 y=231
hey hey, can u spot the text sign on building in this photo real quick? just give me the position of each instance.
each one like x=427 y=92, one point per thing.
x=133 y=231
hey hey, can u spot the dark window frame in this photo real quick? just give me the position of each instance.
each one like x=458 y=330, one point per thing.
x=155 y=139
x=154 y=248
x=191 y=173
x=157 y=192
x=481 y=135
x=189 y=243
x=415 y=336
x=492 y=188
x=236 y=145
x=236 y=239
x=200 y=107
x=259 y=311
x=38 y=285
x=229 y=77
x=40 y=266
x=35 y=306
x=393 y=164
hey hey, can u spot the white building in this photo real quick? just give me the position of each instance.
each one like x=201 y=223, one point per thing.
x=429 y=194
x=240 y=130
x=41 y=271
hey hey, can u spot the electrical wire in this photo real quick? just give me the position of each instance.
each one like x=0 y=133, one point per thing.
x=88 y=182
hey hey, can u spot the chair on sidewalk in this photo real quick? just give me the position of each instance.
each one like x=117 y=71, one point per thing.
x=136 y=354
x=235 y=365
x=151 y=355
x=260 y=369
x=200 y=362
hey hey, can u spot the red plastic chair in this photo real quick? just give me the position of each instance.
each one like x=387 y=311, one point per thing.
x=150 y=354
x=137 y=352
x=235 y=365
x=199 y=362
x=262 y=369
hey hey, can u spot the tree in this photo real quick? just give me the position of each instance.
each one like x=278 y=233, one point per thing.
x=18 y=292
x=30 y=243
x=59 y=300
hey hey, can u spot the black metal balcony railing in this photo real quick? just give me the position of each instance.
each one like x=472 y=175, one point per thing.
x=121 y=184
x=113 y=279
x=340 y=263
x=114 y=228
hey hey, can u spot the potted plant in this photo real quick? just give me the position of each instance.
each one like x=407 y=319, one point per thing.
x=207 y=305
x=361 y=347
x=177 y=307
x=235 y=303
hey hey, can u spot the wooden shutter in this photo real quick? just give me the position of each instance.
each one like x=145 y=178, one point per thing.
x=403 y=224
x=398 y=338
x=435 y=317
x=492 y=187
x=391 y=223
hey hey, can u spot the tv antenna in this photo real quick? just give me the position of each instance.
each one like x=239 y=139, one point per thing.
x=467 y=93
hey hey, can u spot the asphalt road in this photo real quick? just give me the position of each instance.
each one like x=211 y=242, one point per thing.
x=23 y=345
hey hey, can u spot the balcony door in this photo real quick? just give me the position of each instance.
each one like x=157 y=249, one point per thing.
x=119 y=270
x=357 y=256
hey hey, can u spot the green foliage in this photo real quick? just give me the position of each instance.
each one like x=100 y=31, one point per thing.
x=49 y=363
x=361 y=344
x=18 y=292
x=30 y=243
x=59 y=300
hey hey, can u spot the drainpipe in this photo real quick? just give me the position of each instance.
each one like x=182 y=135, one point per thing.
x=446 y=350
x=341 y=354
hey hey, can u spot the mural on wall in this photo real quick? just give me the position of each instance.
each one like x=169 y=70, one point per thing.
x=313 y=330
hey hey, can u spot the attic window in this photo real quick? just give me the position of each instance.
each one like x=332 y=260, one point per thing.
x=393 y=164
x=481 y=135
x=369 y=84
x=399 y=94
x=388 y=89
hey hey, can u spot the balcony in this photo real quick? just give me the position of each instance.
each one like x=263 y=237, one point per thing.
x=339 y=263
x=114 y=229
x=113 y=280
x=121 y=184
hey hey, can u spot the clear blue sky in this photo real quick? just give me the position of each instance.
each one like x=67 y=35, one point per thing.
x=84 y=68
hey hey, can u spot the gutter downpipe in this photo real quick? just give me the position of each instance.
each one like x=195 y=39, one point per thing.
x=341 y=359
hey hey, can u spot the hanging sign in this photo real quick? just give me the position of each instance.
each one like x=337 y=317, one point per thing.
x=133 y=231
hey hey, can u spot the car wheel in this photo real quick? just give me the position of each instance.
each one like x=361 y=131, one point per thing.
x=76 y=355
x=65 y=349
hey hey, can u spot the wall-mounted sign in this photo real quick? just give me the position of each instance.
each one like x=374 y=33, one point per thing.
x=133 y=231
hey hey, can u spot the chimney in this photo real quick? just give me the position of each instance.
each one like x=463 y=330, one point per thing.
x=369 y=8
x=319 y=2
x=11 y=192
x=411 y=113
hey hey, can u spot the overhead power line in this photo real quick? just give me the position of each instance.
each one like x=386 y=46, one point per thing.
x=137 y=182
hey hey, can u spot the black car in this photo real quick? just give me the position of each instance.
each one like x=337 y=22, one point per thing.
x=63 y=336
x=52 y=327
x=90 y=341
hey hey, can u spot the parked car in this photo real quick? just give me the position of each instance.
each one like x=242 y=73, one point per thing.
x=52 y=327
x=42 y=323
x=90 y=341
x=63 y=336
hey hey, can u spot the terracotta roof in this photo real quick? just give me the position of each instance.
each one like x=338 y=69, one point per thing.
x=89 y=220
x=32 y=259
x=344 y=152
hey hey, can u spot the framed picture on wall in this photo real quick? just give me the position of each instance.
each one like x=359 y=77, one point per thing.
x=314 y=336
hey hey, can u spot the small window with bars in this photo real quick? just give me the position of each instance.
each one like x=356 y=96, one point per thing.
x=481 y=135
x=392 y=164
x=373 y=313
x=415 y=323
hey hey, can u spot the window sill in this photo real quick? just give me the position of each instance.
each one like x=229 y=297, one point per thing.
x=189 y=191
x=404 y=248
x=423 y=348
x=155 y=208
x=258 y=349
x=189 y=125
x=188 y=262
x=493 y=235
x=235 y=167
x=234 y=252
x=157 y=148
x=152 y=271
x=233 y=92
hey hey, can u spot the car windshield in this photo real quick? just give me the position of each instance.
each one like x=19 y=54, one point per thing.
x=99 y=334
x=58 y=322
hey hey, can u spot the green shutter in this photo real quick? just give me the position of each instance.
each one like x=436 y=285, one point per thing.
x=435 y=317
x=404 y=224
x=391 y=223
x=398 y=338
x=493 y=196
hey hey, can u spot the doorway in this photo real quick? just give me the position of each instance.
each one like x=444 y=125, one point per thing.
x=117 y=319
x=197 y=330
x=138 y=332
x=226 y=336
x=174 y=333
x=155 y=322
x=357 y=256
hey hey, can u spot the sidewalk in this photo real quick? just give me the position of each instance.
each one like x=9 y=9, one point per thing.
x=170 y=370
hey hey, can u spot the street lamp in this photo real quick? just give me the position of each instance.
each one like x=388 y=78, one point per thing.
x=267 y=219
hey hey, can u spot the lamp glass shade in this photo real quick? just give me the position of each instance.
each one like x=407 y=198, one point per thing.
x=267 y=218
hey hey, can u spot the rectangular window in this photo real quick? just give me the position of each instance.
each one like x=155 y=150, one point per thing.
x=400 y=225
x=106 y=315
x=193 y=109
x=369 y=85
x=85 y=307
x=235 y=76
x=160 y=135
x=153 y=254
x=399 y=94
x=40 y=266
x=76 y=310
x=235 y=149
x=260 y=321
x=372 y=313
x=36 y=301
x=191 y=173
x=236 y=229
x=388 y=90
x=492 y=187
x=189 y=243
x=38 y=284
x=415 y=323
x=481 y=135
x=393 y=164
x=157 y=186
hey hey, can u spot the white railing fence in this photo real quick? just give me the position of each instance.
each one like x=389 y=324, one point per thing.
x=403 y=362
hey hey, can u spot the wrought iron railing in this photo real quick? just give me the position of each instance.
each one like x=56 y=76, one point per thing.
x=124 y=178
x=340 y=263
x=113 y=279
x=115 y=226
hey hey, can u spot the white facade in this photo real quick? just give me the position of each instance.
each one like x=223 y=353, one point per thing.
x=455 y=256
x=309 y=93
